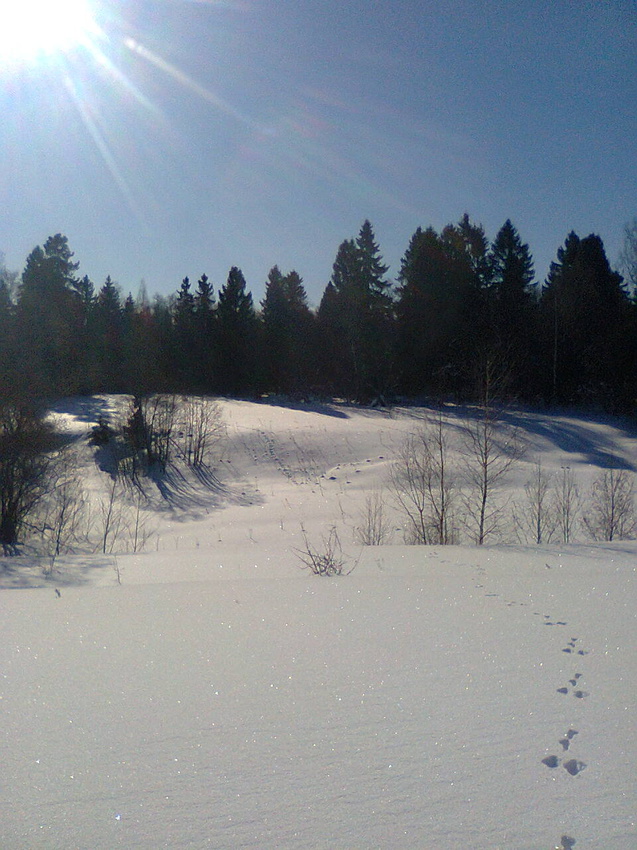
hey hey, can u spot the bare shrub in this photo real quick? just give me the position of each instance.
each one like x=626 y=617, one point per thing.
x=328 y=560
x=490 y=450
x=374 y=528
x=117 y=569
x=138 y=528
x=611 y=511
x=65 y=508
x=111 y=515
x=423 y=485
x=124 y=521
x=201 y=426
x=567 y=504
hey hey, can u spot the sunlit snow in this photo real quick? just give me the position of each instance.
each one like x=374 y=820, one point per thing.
x=209 y=692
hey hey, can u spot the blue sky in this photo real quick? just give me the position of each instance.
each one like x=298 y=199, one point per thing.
x=194 y=136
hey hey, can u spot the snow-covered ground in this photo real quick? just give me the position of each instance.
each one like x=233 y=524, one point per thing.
x=209 y=692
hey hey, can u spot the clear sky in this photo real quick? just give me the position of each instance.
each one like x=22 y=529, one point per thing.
x=187 y=136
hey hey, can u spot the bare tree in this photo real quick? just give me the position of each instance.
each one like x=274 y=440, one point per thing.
x=409 y=484
x=537 y=518
x=490 y=449
x=201 y=425
x=150 y=427
x=374 y=528
x=611 y=514
x=423 y=484
x=441 y=490
x=628 y=257
x=567 y=501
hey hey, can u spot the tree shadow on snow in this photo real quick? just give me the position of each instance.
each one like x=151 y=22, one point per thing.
x=25 y=572
x=593 y=439
x=596 y=445
x=201 y=491
x=333 y=409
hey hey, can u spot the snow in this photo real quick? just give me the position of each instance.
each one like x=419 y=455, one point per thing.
x=208 y=692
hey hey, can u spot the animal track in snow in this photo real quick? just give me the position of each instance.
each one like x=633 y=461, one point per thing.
x=565 y=742
x=578 y=694
x=570 y=647
x=572 y=766
x=551 y=622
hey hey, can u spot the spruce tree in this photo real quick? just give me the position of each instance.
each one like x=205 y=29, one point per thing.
x=204 y=368
x=236 y=337
x=429 y=312
x=441 y=310
x=356 y=318
x=8 y=352
x=107 y=343
x=184 y=335
x=587 y=327
x=287 y=333
x=512 y=308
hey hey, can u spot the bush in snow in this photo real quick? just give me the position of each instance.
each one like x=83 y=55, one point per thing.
x=326 y=561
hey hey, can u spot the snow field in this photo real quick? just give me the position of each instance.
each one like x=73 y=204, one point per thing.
x=221 y=697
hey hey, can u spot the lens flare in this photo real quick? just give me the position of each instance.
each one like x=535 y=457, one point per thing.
x=33 y=28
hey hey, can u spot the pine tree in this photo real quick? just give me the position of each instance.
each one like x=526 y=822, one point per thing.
x=50 y=319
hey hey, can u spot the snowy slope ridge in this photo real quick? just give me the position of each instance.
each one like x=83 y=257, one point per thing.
x=210 y=693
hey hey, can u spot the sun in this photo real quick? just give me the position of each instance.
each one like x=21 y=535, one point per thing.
x=33 y=28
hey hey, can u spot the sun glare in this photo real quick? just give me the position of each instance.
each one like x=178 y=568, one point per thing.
x=32 y=28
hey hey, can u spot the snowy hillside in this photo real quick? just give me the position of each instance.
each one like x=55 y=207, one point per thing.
x=208 y=692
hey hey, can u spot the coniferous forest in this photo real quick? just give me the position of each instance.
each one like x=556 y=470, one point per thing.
x=462 y=311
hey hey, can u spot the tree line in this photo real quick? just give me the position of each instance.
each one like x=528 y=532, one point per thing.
x=462 y=311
